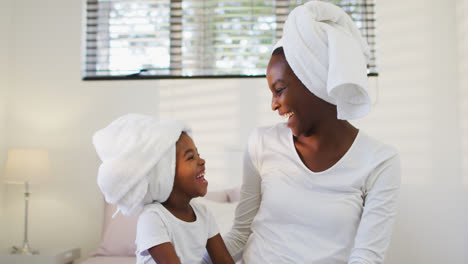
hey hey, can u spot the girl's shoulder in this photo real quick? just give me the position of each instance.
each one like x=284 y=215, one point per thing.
x=152 y=220
x=200 y=209
x=151 y=211
x=151 y=208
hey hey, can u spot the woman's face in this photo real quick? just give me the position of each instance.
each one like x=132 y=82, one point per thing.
x=293 y=100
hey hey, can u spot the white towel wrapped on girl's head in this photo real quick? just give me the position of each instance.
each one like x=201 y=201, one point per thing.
x=326 y=51
x=138 y=154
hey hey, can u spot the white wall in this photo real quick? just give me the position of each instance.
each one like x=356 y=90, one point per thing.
x=418 y=112
x=462 y=37
x=50 y=107
x=5 y=27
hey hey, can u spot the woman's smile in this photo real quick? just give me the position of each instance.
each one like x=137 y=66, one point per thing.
x=289 y=116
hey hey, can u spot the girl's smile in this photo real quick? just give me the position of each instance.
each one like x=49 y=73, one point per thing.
x=190 y=169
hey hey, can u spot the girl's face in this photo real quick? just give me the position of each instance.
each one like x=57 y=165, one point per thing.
x=190 y=169
x=293 y=100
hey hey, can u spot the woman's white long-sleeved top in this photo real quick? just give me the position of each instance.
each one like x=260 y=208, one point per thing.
x=289 y=214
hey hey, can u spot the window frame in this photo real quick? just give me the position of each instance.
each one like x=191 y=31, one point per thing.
x=141 y=75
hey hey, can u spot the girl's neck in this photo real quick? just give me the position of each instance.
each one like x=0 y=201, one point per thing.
x=177 y=201
x=179 y=206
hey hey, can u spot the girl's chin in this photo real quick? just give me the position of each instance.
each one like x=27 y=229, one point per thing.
x=203 y=192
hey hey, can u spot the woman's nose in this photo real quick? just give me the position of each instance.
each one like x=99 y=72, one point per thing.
x=201 y=162
x=274 y=104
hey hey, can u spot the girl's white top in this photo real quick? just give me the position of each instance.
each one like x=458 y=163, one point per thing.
x=290 y=214
x=156 y=225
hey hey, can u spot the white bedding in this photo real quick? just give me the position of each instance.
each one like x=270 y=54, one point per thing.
x=110 y=260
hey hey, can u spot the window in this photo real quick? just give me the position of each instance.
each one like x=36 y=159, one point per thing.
x=193 y=38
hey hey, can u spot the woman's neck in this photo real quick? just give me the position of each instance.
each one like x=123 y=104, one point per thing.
x=324 y=147
x=329 y=134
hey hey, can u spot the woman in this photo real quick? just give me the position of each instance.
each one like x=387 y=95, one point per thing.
x=316 y=190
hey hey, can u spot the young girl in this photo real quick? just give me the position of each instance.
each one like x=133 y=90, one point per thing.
x=155 y=165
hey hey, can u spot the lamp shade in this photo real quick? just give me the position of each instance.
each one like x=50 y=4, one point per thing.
x=26 y=164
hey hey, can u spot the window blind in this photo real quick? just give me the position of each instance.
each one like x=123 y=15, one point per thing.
x=194 y=38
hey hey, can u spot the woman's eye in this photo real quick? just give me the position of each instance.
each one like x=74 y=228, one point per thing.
x=278 y=91
x=190 y=158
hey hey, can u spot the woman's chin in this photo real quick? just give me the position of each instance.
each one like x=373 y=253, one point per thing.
x=292 y=124
x=294 y=130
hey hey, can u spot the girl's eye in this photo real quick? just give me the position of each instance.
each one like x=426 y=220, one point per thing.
x=190 y=158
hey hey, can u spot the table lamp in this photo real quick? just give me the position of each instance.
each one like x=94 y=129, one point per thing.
x=26 y=166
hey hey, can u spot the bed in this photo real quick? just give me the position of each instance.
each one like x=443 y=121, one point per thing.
x=117 y=244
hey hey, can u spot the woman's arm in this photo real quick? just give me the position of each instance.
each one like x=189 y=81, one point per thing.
x=164 y=254
x=248 y=205
x=375 y=228
x=247 y=209
x=218 y=251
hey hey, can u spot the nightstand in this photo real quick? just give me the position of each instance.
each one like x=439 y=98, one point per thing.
x=45 y=256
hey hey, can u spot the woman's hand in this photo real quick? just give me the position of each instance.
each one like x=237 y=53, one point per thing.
x=218 y=251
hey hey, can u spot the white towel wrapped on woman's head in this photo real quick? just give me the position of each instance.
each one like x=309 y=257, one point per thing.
x=138 y=154
x=326 y=51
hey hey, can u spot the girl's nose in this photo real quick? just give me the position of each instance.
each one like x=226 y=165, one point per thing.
x=201 y=162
